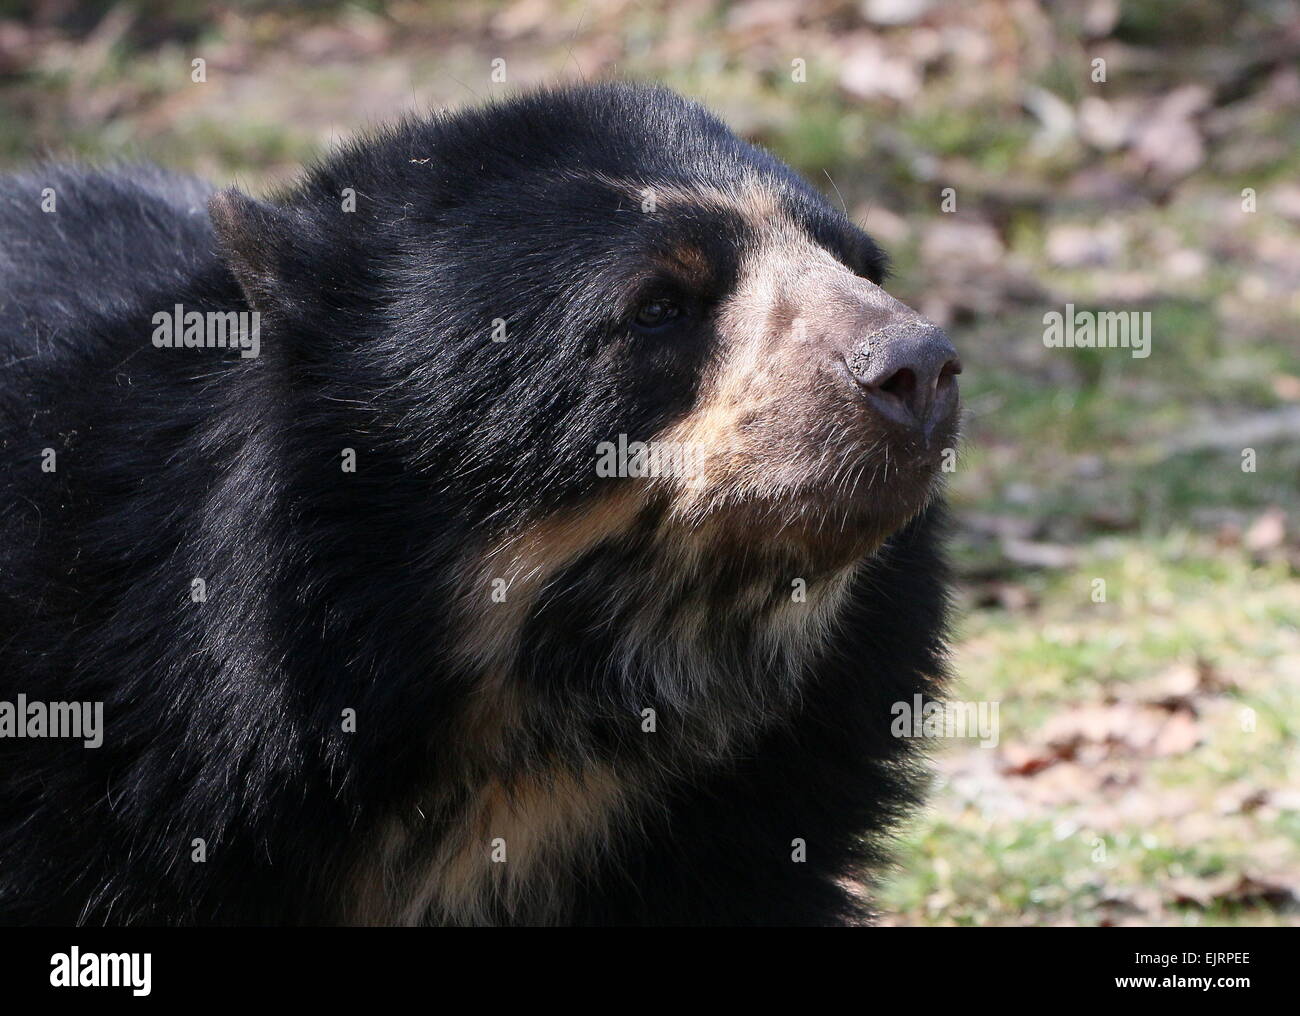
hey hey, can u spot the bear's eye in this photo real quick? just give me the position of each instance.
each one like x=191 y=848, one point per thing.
x=656 y=313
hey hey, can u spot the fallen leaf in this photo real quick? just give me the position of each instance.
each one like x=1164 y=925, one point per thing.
x=1268 y=532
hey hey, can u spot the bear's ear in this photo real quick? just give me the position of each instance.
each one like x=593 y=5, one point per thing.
x=254 y=239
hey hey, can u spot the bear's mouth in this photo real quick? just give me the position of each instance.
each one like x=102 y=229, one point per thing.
x=829 y=517
x=854 y=519
x=832 y=476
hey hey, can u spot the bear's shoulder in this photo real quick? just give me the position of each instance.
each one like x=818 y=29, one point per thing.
x=78 y=245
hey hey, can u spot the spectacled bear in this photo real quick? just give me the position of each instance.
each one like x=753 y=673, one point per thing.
x=546 y=540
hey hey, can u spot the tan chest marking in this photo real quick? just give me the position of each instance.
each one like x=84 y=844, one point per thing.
x=519 y=846
x=518 y=566
x=514 y=851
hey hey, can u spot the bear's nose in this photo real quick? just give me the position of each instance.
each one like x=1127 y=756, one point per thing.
x=907 y=373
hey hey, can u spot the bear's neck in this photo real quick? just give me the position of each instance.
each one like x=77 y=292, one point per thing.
x=592 y=685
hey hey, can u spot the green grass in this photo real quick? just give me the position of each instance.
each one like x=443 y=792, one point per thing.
x=1170 y=602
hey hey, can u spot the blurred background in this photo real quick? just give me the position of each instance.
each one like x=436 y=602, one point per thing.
x=1148 y=765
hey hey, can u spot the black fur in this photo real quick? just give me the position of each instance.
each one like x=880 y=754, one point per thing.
x=329 y=591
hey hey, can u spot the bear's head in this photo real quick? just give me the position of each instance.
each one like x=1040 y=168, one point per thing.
x=631 y=379
x=598 y=302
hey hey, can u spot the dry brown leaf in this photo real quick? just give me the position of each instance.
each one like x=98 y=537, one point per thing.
x=1268 y=532
x=1231 y=887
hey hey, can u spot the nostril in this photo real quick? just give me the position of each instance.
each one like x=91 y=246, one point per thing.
x=901 y=383
x=950 y=369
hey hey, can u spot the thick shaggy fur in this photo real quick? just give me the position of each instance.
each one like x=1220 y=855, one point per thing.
x=484 y=722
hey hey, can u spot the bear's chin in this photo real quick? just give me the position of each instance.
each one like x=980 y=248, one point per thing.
x=851 y=533
x=825 y=529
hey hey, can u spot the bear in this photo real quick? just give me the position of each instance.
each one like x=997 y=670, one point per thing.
x=533 y=515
